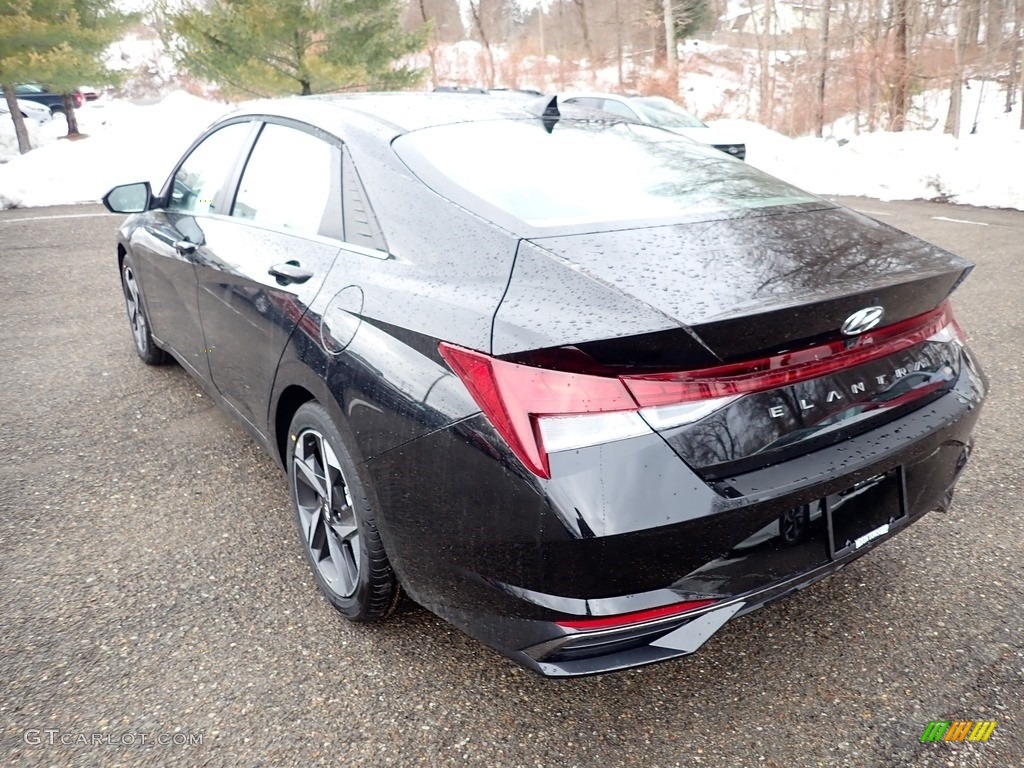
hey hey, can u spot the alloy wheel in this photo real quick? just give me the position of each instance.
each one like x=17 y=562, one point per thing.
x=326 y=514
x=136 y=318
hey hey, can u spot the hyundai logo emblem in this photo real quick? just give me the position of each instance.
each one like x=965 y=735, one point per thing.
x=862 y=320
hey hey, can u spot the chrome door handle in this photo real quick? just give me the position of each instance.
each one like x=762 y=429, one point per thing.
x=290 y=272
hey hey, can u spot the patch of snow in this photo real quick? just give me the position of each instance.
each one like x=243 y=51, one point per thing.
x=123 y=143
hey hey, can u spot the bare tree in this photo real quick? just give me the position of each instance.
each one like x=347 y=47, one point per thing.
x=474 y=11
x=819 y=117
x=901 y=67
x=957 y=87
x=581 y=12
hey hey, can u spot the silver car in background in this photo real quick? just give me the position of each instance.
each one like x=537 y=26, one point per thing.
x=662 y=113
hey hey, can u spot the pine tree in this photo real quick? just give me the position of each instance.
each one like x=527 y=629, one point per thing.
x=89 y=27
x=274 y=47
x=59 y=43
x=22 y=34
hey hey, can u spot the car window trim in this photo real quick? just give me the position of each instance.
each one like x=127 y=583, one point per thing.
x=234 y=178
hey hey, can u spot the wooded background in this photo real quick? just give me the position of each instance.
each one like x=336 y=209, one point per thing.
x=815 y=60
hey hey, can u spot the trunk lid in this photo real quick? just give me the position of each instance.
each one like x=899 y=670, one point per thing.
x=755 y=285
x=716 y=305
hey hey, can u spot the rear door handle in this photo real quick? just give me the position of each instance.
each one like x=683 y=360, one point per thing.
x=290 y=272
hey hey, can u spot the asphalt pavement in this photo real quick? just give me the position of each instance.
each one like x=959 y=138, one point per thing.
x=156 y=608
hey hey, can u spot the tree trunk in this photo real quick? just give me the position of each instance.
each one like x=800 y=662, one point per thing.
x=823 y=71
x=875 y=71
x=956 y=89
x=618 y=43
x=19 y=121
x=901 y=75
x=69 y=112
x=765 y=107
x=995 y=14
x=474 y=9
x=432 y=43
x=670 y=35
x=588 y=47
x=1015 y=50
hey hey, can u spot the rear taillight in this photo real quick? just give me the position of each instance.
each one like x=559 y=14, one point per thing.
x=77 y=97
x=516 y=397
x=542 y=410
x=789 y=367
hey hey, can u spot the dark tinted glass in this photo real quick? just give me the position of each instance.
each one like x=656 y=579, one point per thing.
x=585 y=172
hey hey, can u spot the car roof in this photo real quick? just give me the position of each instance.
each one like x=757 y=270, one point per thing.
x=393 y=114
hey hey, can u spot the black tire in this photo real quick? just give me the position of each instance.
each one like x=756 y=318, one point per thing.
x=335 y=519
x=148 y=351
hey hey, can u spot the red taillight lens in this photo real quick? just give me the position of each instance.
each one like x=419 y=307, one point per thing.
x=636 y=617
x=512 y=397
x=77 y=98
x=531 y=406
x=787 y=368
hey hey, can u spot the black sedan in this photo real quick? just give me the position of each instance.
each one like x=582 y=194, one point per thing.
x=582 y=387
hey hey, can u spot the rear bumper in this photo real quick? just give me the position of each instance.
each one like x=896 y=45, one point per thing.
x=627 y=527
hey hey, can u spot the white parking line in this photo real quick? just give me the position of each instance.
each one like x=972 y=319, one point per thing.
x=960 y=221
x=874 y=213
x=61 y=216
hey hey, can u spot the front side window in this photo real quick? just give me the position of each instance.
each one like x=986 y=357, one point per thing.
x=199 y=181
x=292 y=181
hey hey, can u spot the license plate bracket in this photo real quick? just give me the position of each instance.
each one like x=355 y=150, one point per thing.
x=872 y=508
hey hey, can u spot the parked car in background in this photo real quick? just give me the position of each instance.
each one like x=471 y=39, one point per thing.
x=40 y=95
x=663 y=113
x=29 y=110
x=88 y=92
x=583 y=387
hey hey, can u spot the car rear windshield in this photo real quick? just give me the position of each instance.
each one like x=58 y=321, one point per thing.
x=585 y=172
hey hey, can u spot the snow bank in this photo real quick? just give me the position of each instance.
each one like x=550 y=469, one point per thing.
x=124 y=143
x=133 y=143
x=972 y=170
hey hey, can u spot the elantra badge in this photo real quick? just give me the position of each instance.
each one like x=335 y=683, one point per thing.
x=862 y=320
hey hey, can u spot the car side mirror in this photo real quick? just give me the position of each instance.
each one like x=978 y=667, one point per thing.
x=129 y=198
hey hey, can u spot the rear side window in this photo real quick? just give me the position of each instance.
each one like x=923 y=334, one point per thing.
x=199 y=181
x=292 y=181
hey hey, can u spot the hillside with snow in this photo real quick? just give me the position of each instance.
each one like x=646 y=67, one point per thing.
x=130 y=141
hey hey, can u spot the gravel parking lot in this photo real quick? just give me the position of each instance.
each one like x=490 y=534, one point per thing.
x=156 y=607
